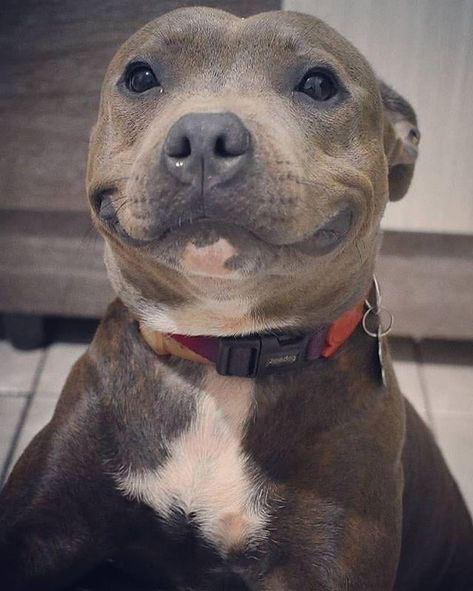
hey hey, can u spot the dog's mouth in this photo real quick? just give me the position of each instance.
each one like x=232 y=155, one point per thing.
x=202 y=232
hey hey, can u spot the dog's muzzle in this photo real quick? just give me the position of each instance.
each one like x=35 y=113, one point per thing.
x=206 y=173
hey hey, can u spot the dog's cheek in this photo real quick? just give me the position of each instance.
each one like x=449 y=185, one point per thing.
x=92 y=156
x=362 y=167
x=278 y=195
x=111 y=148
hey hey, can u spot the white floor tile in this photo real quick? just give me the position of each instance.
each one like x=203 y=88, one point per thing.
x=17 y=368
x=11 y=408
x=60 y=358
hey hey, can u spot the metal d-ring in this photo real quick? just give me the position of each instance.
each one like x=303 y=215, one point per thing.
x=378 y=310
x=381 y=332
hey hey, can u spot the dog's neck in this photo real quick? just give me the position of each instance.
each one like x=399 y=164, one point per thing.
x=260 y=353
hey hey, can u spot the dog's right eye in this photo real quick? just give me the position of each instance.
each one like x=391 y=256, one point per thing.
x=140 y=78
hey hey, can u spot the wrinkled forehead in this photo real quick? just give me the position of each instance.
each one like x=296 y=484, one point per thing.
x=212 y=42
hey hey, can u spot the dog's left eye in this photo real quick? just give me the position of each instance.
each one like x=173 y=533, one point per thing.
x=140 y=78
x=320 y=86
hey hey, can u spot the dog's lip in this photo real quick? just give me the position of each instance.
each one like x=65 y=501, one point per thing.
x=322 y=241
x=325 y=239
x=330 y=234
x=207 y=221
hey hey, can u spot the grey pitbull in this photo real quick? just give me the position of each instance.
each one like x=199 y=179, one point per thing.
x=230 y=426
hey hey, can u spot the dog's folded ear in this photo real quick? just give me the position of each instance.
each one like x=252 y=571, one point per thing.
x=401 y=140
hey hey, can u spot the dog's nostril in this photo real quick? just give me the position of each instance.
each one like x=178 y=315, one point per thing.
x=179 y=147
x=220 y=149
x=229 y=145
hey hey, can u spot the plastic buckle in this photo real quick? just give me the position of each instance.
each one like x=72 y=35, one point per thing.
x=254 y=356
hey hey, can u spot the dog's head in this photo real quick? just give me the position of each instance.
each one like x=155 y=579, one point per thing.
x=239 y=170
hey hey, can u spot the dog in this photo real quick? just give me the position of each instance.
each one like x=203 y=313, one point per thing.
x=236 y=422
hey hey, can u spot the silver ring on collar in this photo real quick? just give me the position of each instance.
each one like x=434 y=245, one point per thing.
x=384 y=328
x=386 y=323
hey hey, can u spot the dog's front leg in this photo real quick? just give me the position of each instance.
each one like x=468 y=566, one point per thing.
x=367 y=563
x=48 y=535
x=345 y=534
x=57 y=506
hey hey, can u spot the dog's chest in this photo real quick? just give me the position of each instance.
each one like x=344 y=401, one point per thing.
x=207 y=477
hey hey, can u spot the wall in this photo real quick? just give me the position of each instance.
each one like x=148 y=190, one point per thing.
x=424 y=49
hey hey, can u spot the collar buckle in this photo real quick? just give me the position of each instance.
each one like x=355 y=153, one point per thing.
x=260 y=355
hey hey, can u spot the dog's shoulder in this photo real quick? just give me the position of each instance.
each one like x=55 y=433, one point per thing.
x=102 y=378
x=116 y=333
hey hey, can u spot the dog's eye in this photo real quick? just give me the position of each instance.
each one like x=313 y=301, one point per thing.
x=140 y=78
x=320 y=86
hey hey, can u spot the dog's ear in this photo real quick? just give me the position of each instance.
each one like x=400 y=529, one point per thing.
x=401 y=140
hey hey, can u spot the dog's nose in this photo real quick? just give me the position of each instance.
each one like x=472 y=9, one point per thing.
x=206 y=149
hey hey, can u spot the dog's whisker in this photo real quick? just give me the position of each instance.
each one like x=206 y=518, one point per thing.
x=120 y=207
x=119 y=202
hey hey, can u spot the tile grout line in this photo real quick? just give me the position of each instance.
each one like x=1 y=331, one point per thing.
x=24 y=414
x=423 y=384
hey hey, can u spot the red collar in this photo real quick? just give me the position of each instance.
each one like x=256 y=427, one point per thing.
x=257 y=354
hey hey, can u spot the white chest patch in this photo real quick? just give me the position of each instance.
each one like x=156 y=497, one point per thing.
x=207 y=474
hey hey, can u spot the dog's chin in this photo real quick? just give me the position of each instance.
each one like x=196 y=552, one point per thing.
x=212 y=260
x=213 y=249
